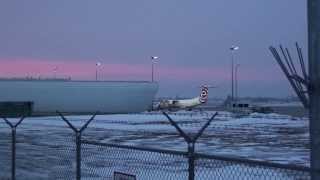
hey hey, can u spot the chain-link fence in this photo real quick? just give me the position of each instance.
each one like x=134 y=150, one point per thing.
x=58 y=151
x=34 y=151
x=218 y=167
x=5 y=151
x=101 y=160
x=48 y=153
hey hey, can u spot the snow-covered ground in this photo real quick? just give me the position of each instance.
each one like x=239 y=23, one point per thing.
x=271 y=137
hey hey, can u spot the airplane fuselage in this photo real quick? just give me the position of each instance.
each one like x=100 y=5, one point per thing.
x=180 y=104
x=184 y=103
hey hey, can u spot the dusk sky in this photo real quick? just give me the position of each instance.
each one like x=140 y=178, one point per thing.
x=192 y=39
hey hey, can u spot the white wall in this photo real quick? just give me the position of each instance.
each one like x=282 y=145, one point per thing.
x=81 y=96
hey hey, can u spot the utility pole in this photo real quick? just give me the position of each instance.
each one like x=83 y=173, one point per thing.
x=314 y=86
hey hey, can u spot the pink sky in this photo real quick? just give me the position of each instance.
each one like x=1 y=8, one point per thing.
x=85 y=70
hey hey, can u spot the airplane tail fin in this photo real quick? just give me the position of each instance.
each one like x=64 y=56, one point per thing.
x=204 y=94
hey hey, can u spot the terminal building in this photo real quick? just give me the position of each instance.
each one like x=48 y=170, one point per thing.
x=31 y=97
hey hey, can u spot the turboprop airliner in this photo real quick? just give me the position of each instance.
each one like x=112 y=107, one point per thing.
x=187 y=104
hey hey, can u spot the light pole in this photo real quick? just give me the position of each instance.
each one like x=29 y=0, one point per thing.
x=55 y=72
x=236 y=81
x=97 y=66
x=153 y=60
x=232 y=49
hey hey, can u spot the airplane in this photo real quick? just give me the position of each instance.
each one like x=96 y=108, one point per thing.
x=184 y=103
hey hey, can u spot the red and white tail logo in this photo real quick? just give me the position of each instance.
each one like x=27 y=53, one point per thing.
x=204 y=94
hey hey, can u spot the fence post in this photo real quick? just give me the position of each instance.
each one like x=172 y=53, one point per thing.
x=13 y=144
x=13 y=155
x=78 y=149
x=78 y=133
x=191 y=159
x=190 y=140
x=313 y=7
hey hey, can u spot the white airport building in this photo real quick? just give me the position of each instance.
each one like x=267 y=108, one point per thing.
x=49 y=96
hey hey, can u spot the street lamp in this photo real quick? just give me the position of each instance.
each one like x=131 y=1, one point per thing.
x=153 y=60
x=232 y=49
x=236 y=81
x=97 y=66
x=55 y=72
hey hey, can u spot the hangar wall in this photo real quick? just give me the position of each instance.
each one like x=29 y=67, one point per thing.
x=80 y=96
